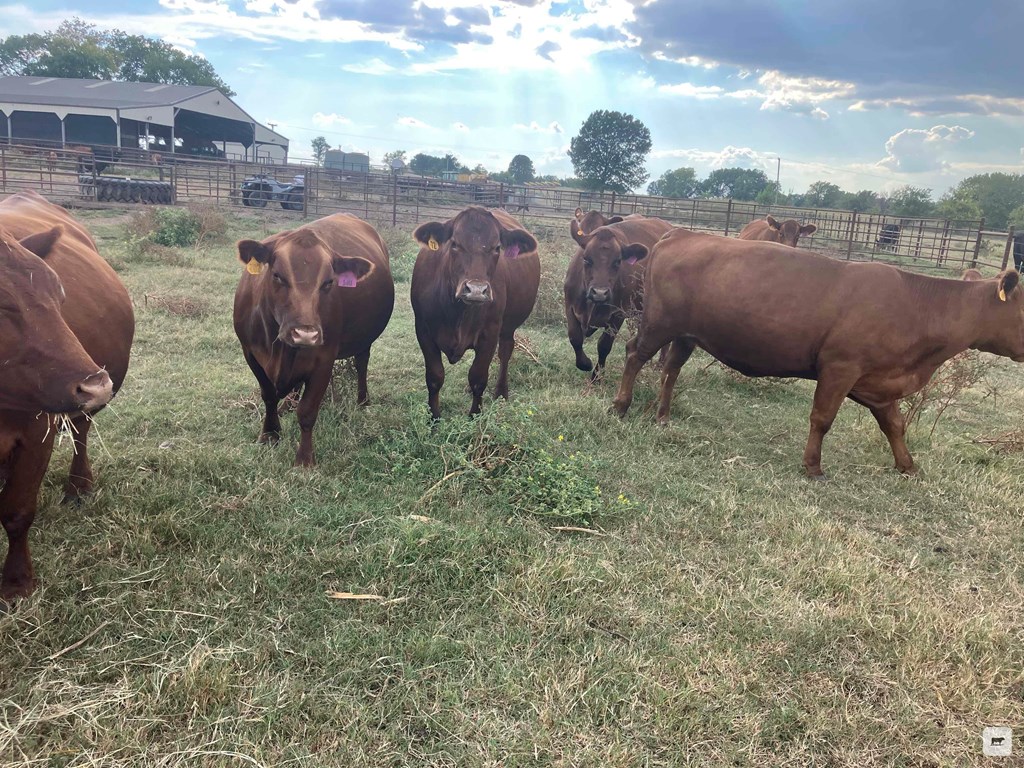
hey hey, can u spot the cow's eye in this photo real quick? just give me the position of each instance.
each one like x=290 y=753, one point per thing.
x=588 y=262
x=278 y=279
x=326 y=285
x=615 y=264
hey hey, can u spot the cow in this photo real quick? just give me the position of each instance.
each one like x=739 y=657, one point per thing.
x=864 y=331
x=971 y=274
x=474 y=282
x=307 y=297
x=588 y=222
x=604 y=283
x=888 y=237
x=66 y=328
x=787 y=232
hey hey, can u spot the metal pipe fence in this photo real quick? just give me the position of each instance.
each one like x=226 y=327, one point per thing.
x=65 y=175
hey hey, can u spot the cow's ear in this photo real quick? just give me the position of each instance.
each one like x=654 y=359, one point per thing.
x=576 y=232
x=351 y=270
x=579 y=214
x=433 y=234
x=253 y=251
x=613 y=220
x=41 y=243
x=808 y=229
x=1008 y=282
x=772 y=222
x=634 y=252
x=517 y=241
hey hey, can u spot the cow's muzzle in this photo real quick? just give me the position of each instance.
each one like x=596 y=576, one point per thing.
x=93 y=391
x=474 y=292
x=304 y=336
x=599 y=295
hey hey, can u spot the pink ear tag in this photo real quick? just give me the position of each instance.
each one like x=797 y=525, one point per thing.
x=347 y=280
x=631 y=260
x=512 y=251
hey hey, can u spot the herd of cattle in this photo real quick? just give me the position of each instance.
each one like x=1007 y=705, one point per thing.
x=324 y=291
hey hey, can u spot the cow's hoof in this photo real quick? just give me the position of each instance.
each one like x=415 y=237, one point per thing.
x=269 y=438
x=72 y=499
x=585 y=365
x=818 y=477
x=304 y=462
x=911 y=471
x=11 y=591
x=618 y=410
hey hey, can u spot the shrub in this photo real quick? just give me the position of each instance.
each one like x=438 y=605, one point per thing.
x=501 y=453
x=175 y=227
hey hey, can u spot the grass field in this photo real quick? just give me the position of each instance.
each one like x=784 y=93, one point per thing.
x=722 y=610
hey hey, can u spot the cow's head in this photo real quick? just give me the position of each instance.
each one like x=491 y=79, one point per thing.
x=298 y=270
x=590 y=221
x=788 y=232
x=468 y=249
x=603 y=253
x=1005 y=324
x=43 y=366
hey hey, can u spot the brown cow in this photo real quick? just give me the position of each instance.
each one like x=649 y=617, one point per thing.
x=66 y=327
x=787 y=232
x=866 y=331
x=588 y=222
x=308 y=297
x=475 y=281
x=972 y=274
x=604 y=282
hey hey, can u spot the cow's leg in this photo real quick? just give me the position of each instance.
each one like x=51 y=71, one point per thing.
x=674 y=356
x=362 y=361
x=505 y=347
x=271 y=432
x=639 y=350
x=893 y=426
x=604 y=344
x=478 y=371
x=434 y=370
x=576 y=337
x=307 y=412
x=18 y=501
x=832 y=389
x=80 y=477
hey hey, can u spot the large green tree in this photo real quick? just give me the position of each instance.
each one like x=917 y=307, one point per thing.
x=995 y=193
x=520 y=169
x=737 y=183
x=823 y=194
x=78 y=49
x=959 y=205
x=910 y=201
x=682 y=182
x=320 y=148
x=431 y=165
x=610 y=150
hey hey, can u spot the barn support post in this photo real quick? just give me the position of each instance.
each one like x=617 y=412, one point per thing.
x=728 y=217
x=977 y=244
x=850 y=236
x=1008 y=249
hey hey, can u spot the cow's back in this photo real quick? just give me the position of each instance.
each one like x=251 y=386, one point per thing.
x=767 y=309
x=367 y=307
x=97 y=306
x=759 y=230
x=521 y=278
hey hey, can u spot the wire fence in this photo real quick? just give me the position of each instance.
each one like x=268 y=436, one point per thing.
x=85 y=175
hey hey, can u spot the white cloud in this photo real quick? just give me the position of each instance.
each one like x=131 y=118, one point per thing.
x=321 y=120
x=914 y=150
x=371 y=67
x=693 y=91
x=535 y=127
x=727 y=157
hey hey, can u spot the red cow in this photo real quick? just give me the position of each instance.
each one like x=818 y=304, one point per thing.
x=787 y=232
x=475 y=281
x=604 y=282
x=868 y=332
x=66 y=328
x=308 y=297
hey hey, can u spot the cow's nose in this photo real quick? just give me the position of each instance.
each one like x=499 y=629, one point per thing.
x=599 y=295
x=306 y=336
x=94 y=391
x=475 y=292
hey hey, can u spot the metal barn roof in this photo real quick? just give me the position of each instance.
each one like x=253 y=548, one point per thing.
x=69 y=92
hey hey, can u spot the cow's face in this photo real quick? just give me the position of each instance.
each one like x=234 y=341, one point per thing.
x=469 y=247
x=788 y=232
x=43 y=366
x=299 y=271
x=1006 y=295
x=603 y=255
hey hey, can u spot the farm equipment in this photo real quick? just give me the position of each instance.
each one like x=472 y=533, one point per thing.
x=259 y=190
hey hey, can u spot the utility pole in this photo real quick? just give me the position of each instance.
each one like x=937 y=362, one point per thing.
x=778 y=172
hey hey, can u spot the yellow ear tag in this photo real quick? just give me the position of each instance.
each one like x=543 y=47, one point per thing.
x=432 y=244
x=254 y=267
x=1002 y=295
x=579 y=232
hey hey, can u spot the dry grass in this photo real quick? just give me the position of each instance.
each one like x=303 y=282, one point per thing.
x=180 y=306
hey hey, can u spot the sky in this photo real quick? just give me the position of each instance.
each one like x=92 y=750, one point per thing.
x=866 y=94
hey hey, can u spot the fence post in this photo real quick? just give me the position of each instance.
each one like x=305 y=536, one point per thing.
x=977 y=244
x=611 y=209
x=3 y=168
x=728 y=217
x=174 y=184
x=1009 y=248
x=394 y=198
x=309 y=181
x=943 y=243
x=853 y=229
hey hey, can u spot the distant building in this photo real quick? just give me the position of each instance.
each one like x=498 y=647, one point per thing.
x=356 y=162
x=190 y=120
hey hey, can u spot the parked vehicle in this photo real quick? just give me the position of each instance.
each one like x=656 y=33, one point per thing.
x=261 y=189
